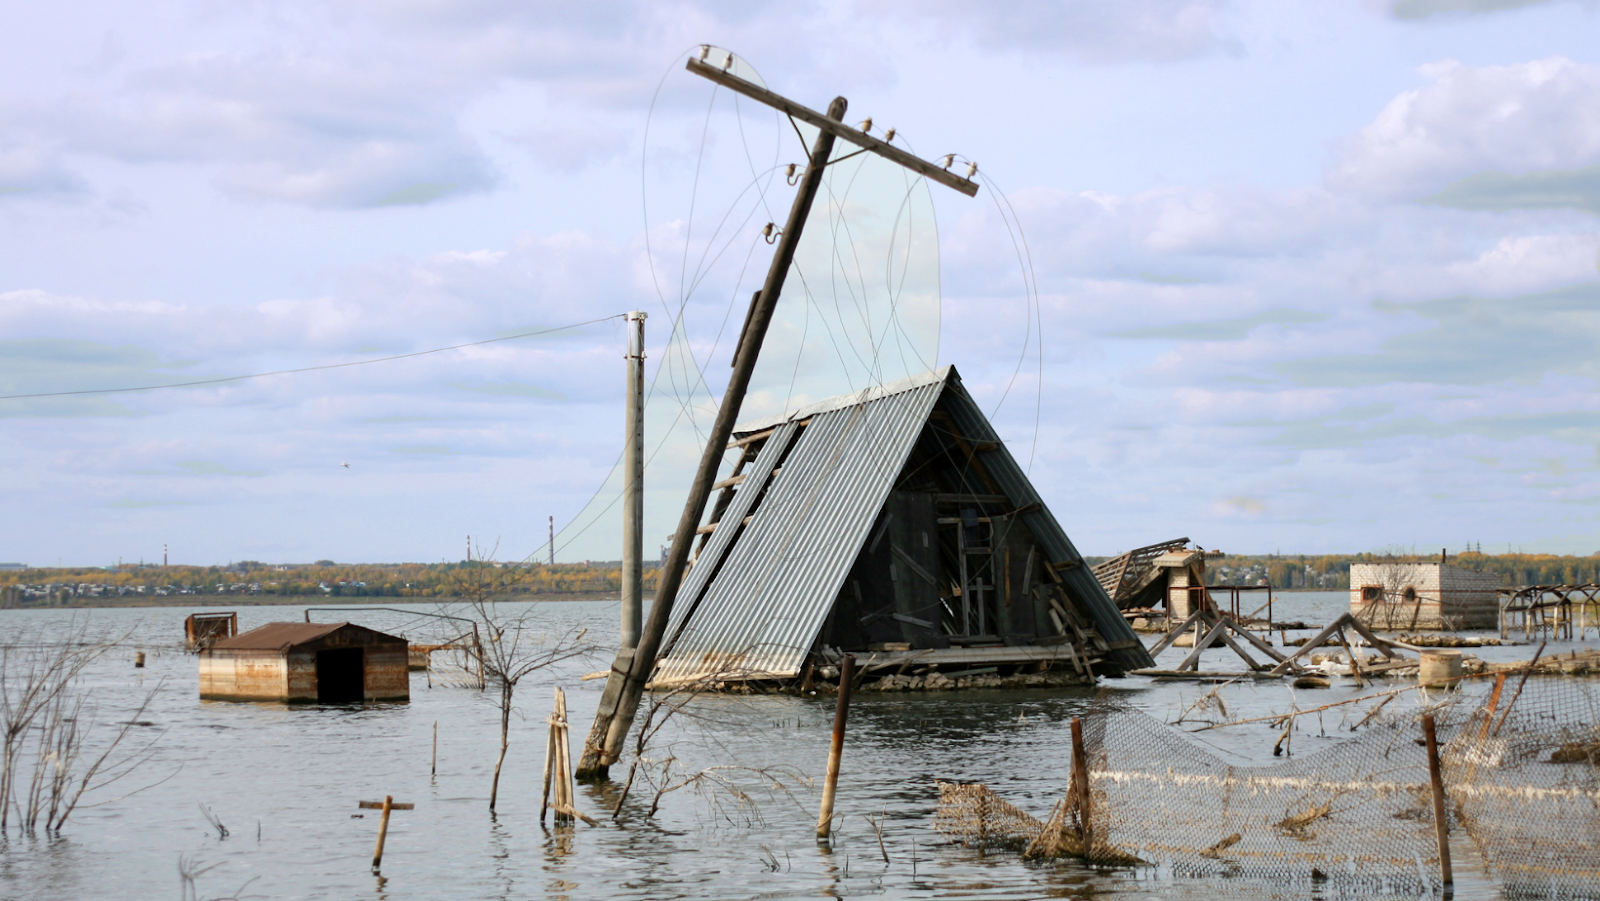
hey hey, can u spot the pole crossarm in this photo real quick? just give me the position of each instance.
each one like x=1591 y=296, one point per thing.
x=837 y=129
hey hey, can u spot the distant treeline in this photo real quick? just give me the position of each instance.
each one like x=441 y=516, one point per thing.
x=439 y=580
x=321 y=579
x=1332 y=571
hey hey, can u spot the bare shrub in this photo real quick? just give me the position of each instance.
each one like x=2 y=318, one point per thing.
x=53 y=753
x=515 y=643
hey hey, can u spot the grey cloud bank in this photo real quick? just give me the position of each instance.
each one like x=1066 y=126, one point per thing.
x=1265 y=317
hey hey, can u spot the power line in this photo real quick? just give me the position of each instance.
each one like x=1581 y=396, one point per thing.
x=257 y=375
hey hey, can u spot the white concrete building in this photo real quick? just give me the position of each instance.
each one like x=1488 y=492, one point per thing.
x=1434 y=595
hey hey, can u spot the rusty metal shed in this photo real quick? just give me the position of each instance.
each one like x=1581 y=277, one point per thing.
x=892 y=523
x=328 y=663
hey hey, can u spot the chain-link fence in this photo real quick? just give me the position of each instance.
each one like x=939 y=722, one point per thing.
x=1520 y=766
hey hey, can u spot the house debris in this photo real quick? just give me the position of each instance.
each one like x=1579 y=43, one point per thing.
x=329 y=663
x=1170 y=576
x=894 y=525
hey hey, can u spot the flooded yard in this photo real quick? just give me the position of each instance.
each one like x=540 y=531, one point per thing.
x=285 y=782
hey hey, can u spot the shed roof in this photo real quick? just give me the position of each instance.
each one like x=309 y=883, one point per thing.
x=757 y=596
x=283 y=636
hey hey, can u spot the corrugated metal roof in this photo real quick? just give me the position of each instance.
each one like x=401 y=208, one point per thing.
x=755 y=607
x=1079 y=581
x=710 y=559
x=763 y=609
x=865 y=395
x=283 y=636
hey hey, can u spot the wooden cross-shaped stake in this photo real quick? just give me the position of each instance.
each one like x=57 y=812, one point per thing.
x=387 y=804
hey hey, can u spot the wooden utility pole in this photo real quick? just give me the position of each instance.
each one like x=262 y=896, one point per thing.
x=633 y=487
x=633 y=666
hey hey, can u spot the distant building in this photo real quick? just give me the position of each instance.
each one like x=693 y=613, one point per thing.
x=12 y=567
x=1433 y=595
x=329 y=663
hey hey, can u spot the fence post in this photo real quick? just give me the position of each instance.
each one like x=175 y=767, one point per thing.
x=1440 y=825
x=847 y=670
x=1080 y=783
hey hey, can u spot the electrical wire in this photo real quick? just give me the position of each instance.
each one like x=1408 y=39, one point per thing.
x=259 y=375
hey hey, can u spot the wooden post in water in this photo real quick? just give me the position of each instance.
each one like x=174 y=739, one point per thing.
x=549 y=771
x=434 y=769
x=383 y=832
x=1440 y=825
x=386 y=805
x=847 y=671
x=138 y=660
x=1080 y=785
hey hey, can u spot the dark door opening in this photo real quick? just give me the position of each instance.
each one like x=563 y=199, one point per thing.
x=340 y=676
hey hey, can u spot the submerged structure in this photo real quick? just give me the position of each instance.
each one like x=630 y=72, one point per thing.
x=1432 y=595
x=330 y=663
x=892 y=524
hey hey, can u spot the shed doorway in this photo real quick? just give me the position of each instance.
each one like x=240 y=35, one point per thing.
x=339 y=676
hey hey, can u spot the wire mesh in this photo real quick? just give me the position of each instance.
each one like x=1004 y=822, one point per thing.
x=1520 y=767
x=1524 y=777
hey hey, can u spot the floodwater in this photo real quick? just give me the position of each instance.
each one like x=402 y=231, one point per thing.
x=285 y=782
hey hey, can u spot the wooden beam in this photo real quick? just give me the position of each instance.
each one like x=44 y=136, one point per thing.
x=954 y=498
x=837 y=129
x=752 y=438
x=712 y=527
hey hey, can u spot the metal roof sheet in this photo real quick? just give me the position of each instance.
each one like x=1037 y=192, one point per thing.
x=763 y=609
x=865 y=395
x=283 y=636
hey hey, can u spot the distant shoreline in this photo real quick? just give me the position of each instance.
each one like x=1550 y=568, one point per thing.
x=263 y=600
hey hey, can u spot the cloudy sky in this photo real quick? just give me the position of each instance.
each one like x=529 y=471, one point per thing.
x=1311 y=276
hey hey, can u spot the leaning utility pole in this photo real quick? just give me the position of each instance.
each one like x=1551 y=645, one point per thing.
x=633 y=486
x=633 y=666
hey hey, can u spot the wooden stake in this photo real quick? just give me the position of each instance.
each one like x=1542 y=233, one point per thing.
x=1494 y=703
x=831 y=782
x=1440 y=825
x=1081 y=787
x=383 y=832
x=558 y=768
x=549 y=771
x=1355 y=666
x=434 y=769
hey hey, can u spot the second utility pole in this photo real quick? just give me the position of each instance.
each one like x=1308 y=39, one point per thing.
x=633 y=487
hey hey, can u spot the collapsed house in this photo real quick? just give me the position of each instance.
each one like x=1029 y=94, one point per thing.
x=891 y=524
x=329 y=663
x=1169 y=575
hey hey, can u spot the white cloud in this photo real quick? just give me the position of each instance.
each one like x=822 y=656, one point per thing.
x=1526 y=264
x=1543 y=114
x=1101 y=31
